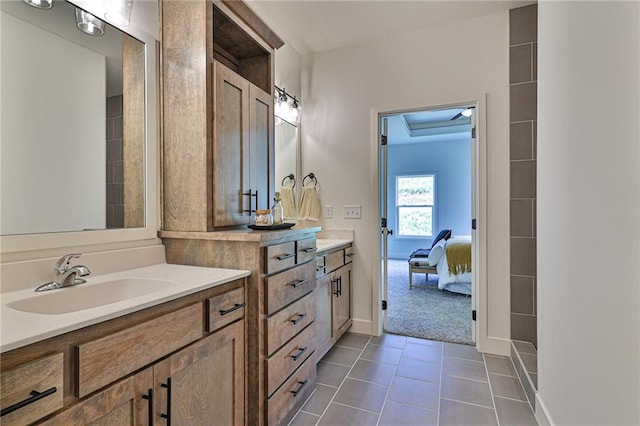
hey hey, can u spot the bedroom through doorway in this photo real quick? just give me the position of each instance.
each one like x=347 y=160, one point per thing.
x=427 y=205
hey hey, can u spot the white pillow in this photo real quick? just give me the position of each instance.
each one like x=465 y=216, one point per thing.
x=436 y=252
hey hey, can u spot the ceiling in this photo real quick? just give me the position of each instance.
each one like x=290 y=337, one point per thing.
x=312 y=26
x=427 y=126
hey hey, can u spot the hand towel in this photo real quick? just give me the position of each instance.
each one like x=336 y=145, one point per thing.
x=309 y=204
x=288 y=197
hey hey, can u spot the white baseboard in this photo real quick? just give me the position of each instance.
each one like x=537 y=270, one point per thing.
x=361 y=327
x=541 y=412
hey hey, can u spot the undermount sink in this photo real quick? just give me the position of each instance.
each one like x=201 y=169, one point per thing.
x=89 y=295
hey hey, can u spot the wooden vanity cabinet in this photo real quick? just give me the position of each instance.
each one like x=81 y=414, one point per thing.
x=183 y=359
x=333 y=297
x=218 y=122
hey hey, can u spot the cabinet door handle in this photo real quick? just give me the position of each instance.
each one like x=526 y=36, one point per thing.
x=285 y=256
x=299 y=354
x=249 y=194
x=339 y=286
x=298 y=283
x=149 y=398
x=299 y=318
x=297 y=391
x=35 y=396
x=309 y=250
x=235 y=307
x=337 y=292
x=168 y=413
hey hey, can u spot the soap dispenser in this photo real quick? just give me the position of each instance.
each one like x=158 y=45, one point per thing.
x=277 y=211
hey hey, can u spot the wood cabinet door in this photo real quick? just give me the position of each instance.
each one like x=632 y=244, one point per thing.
x=230 y=156
x=323 y=323
x=342 y=301
x=203 y=384
x=261 y=145
x=127 y=402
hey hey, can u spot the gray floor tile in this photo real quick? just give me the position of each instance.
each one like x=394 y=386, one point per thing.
x=414 y=392
x=340 y=355
x=462 y=351
x=516 y=413
x=353 y=340
x=507 y=386
x=392 y=340
x=382 y=354
x=459 y=413
x=338 y=414
x=428 y=371
x=524 y=347
x=304 y=419
x=530 y=362
x=358 y=394
x=426 y=342
x=465 y=390
x=500 y=365
x=534 y=379
x=371 y=371
x=319 y=400
x=331 y=374
x=464 y=368
x=422 y=352
x=395 y=413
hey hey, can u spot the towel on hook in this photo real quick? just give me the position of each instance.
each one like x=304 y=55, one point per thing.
x=288 y=197
x=309 y=204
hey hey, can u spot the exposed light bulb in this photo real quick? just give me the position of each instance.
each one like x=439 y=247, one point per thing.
x=466 y=112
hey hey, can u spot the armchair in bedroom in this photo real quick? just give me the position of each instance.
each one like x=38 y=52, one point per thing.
x=418 y=259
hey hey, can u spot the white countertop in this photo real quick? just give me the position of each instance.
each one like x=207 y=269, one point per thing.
x=326 y=244
x=19 y=328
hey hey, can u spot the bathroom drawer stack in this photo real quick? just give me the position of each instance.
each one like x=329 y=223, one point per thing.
x=182 y=361
x=280 y=312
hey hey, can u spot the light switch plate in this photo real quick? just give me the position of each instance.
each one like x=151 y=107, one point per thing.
x=352 y=212
x=328 y=211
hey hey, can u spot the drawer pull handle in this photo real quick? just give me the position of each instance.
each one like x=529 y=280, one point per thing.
x=235 y=307
x=35 y=396
x=285 y=256
x=168 y=414
x=349 y=254
x=299 y=283
x=149 y=397
x=299 y=318
x=297 y=391
x=309 y=250
x=299 y=354
x=320 y=268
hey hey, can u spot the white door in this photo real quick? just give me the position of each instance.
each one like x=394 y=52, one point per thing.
x=475 y=180
x=385 y=231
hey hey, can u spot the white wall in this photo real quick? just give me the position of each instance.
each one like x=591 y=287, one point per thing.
x=340 y=89
x=588 y=211
x=53 y=130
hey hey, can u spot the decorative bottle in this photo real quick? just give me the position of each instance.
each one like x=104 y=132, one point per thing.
x=277 y=211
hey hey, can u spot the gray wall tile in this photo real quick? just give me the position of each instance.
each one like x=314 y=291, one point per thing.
x=524 y=327
x=523 y=25
x=522 y=295
x=523 y=101
x=521 y=141
x=523 y=179
x=521 y=218
x=521 y=63
x=523 y=256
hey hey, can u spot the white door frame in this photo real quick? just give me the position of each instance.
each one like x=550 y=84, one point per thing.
x=479 y=179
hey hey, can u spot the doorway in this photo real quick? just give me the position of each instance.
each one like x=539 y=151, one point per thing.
x=428 y=184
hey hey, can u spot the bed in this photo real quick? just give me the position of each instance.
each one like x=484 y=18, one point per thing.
x=452 y=259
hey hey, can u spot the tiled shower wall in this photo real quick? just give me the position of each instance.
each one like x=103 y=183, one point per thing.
x=523 y=23
x=115 y=176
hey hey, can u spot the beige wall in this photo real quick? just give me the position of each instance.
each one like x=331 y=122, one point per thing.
x=340 y=89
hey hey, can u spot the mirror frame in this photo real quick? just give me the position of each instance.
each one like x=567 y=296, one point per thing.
x=32 y=242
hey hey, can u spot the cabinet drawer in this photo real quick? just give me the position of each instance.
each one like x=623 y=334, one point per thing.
x=334 y=260
x=109 y=358
x=320 y=266
x=44 y=376
x=306 y=250
x=290 y=357
x=287 y=286
x=348 y=255
x=225 y=309
x=289 y=321
x=281 y=256
x=292 y=394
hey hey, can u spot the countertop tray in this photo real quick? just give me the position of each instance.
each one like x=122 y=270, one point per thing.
x=271 y=227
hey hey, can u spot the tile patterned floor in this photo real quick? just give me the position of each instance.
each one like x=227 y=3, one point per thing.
x=396 y=380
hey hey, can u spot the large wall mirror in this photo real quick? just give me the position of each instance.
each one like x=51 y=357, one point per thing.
x=78 y=136
x=286 y=164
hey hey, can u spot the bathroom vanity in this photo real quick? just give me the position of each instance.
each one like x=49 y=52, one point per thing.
x=168 y=354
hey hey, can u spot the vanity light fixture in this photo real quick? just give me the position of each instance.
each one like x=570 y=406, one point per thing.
x=89 y=24
x=118 y=12
x=289 y=111
x=40 y=4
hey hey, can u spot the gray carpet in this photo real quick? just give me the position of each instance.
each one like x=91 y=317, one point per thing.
x=426 y=312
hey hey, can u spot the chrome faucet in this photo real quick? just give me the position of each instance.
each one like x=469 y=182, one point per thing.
x=65 y=274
